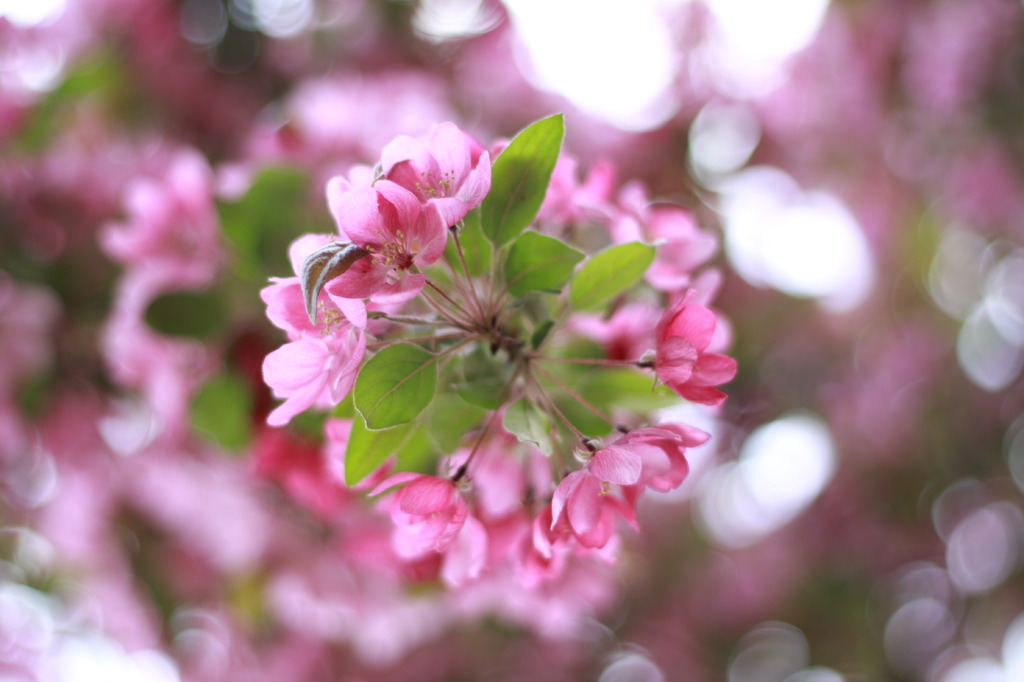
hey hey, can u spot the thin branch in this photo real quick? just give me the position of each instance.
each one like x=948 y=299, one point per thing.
x=505 y=394
x=574 y=395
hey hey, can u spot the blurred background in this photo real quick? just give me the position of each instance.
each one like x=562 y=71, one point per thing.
x=858 y=513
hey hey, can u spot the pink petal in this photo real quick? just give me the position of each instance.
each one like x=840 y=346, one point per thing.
x=305 y=245
x=431 y=232
x=358 y=217
x=616 y=465
x=674 y=360
x=353 y=309
x=449 y=146
x=713 y=369
x=405 y=289
x=295 y=365
x=362 y=280
x=661 y=330
x=689 y=436
x=705 y=395
x=407 y=151
x=427 y=495
x=393 y=480
x=584 y=505
x=694 y=323
x=478 y=184
x=399 y=209
x=562 y=493
x=450 y=209
x=467 y=555
x=407 y=174
x=451 y=530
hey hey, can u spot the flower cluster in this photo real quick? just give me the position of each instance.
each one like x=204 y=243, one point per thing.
x=484 y=371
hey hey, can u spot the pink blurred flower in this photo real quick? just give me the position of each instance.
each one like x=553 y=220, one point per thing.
x=28 y=315
x=428 y=512
x=449 y=170
x=682 y=246
x=683 y=335
x=172 y=224
x=626 y=335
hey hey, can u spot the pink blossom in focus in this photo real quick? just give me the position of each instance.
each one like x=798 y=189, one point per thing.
x=584 y=502
x=313 y=372
x=683 y=335
x=389 y=222
x=319 y=366
x=659 y=450
x=449 y=170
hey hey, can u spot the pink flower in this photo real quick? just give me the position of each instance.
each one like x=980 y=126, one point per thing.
x=682 y=337
x=626 y=335
x=682 y=246
x=428 y=512
x=389 y=222
x=172 y=224
x=585 y=503
x=659 y=451
x=319 y=366
x=312 y=371
x=449 y=170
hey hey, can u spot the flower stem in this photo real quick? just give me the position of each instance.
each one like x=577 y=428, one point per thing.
x=469 y=279
x=455 y=305
x=418 y=339
x=505 y=394
x=574 y=395
x=599 y=362
x=545 y=398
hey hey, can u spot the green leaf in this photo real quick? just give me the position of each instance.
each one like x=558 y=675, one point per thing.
x=529 y=424
x=395 y=385
x=221 y=411
x=537 y=262
x=625 y=388
x=483 y=378
x=583 y=419
x=417 y=453
x=610 y=272
x=450 y=419
x=367 y=450
x=194 y=314
x=519 y=180
x=541 y=333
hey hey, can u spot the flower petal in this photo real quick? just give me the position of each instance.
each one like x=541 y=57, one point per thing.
x=616 y=465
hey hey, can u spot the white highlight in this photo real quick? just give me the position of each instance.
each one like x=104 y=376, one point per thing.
x=746 y=53
x=771 y=652
x=275 y=18
x=989 y=359
x=440 y=20
x=806 y=244
x=26 y=13
x=722 y=138
x=982 y=550
x=613 y=60
x=783 y=466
